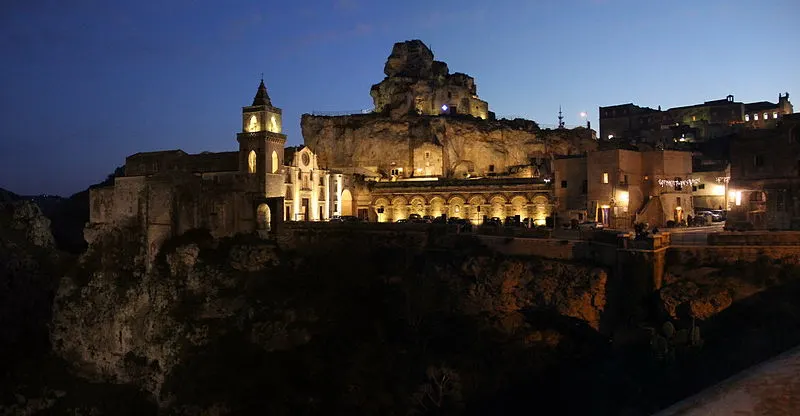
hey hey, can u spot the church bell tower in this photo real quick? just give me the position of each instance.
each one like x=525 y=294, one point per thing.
x=261 y=143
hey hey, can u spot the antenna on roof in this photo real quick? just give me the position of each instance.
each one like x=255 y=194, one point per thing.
x=560 y=118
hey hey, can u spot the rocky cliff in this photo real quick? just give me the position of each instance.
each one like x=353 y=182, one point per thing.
x=257 y=328
x=466 y=143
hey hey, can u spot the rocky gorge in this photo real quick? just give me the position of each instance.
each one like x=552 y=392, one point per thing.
x=243 y=325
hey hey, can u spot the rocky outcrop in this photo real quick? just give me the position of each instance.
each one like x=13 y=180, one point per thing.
x=506 y=288
x=417 y=84
x=27 y=216
x=383 y=142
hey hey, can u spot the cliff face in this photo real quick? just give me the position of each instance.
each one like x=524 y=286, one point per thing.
x=237 y=325
x=466 y=143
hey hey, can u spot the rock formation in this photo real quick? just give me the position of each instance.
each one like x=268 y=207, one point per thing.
x=467 y=145
x=423 y=111
x=416 y=84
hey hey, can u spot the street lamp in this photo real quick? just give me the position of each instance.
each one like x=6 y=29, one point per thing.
x=585 y=117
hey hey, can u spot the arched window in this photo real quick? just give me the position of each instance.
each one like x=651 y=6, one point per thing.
x=274 y=162
x=251 y=162
x=263 y=217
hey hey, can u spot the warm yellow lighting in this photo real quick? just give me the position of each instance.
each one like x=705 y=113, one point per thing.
x=605 y=177
x=275 y=162
x=273 y=125
x=419 y=170
x=251 y=162
x=540 y=222
x=605 y=206
x=252 y=125
x=718 y=190
x=623 y=196
x=678 y=208
x=738 y=198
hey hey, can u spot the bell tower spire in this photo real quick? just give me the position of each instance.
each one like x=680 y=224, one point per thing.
x=262 y=98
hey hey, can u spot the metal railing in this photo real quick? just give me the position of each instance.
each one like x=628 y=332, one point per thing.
x=341 y=113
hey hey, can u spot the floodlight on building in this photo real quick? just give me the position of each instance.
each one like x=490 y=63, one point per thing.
x=444 y=107
x=718 y=190
x=610 y=136
x=624 y=196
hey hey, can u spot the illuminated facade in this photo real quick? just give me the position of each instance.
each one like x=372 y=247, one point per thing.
x=623 y=187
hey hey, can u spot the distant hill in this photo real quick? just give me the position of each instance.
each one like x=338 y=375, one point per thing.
x=8 y=196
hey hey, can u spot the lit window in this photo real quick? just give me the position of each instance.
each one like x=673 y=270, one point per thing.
x=605 y=177
x=251 y=162
x=747 y=117
x=755 y=117
x=766 y=116
x=774 y=114
x=694 y=118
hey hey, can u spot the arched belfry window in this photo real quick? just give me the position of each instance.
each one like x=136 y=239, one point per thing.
x=275 y=162
x=251 y=162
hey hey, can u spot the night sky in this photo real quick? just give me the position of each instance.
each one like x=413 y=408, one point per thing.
x=85 y=83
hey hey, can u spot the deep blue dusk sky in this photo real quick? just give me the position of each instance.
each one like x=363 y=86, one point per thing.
x=85 y=83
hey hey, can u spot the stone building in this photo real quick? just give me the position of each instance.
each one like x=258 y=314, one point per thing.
x=623 y=187
x=431 y=126
x=697 y=122
x=710 y=188
x=765 y=177
x=169 y=192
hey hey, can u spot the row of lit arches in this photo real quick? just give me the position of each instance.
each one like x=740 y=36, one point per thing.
x=474 y=208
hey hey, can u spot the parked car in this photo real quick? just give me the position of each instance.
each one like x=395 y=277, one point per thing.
x=336 y=218
x=715 y=217
x=351 y=218
x=591 y=225
x=402 y=221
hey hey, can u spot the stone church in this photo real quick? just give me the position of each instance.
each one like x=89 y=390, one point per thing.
x=255 y=188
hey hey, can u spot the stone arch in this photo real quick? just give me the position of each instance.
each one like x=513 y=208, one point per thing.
x=399 y=208
x=347 y=202
x=477 y=209
x=437 y=206
x=275 y=162
x=418 y=205
x=497 y=206
x=519 y=206
x=383 y=203
x=456 y=207
x=251 y=162
x=540 y=208
x=263 y=217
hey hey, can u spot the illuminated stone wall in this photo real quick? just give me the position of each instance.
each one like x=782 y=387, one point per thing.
x=478 y=147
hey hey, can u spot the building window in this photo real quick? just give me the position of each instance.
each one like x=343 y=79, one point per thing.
x=563 y=184
x=694 y=118
x=679 y=201
x=702 y=186
x=491 y=168
x=774 y=114
x=624 y=180
x=395 y=172
x=747 y=117
x=605 y=177
x=766 y=116
x=694 y=188
x=251 y=162
x=678 y=186
x=427 y=155
x=758 y=161
x=757 y=196
x=755 y=117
